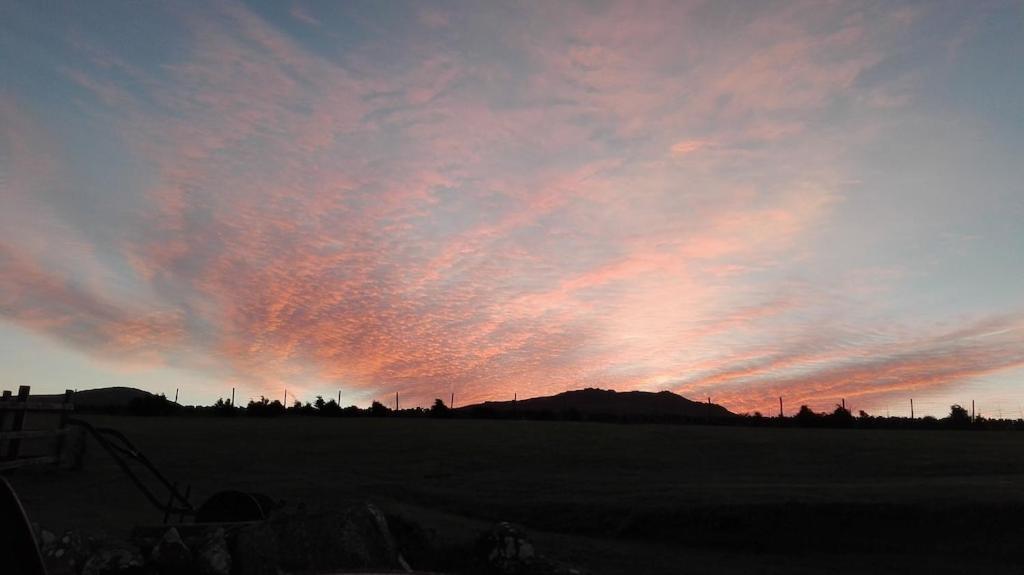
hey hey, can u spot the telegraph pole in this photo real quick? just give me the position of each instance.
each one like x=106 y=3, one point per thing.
x=780 y=408
x=911 y=408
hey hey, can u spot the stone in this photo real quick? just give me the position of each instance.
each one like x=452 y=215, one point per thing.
x=121 y=560
x=507 y=550
x=254 y=550
x=213 y=556
x=357 y=538
x=171 y=556
x=62 y=555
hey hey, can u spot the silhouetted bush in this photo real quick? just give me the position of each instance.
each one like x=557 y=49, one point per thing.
x=841 y=417
x=264 y=408
x=151 y=405
x=439 y=409
x=958 y=417
x=807 y=418
x=224 y=408
x=378 y=409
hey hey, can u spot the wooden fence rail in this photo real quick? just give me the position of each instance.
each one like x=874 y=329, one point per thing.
x=13 y=410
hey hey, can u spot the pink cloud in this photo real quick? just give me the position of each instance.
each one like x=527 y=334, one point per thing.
x=446 y=221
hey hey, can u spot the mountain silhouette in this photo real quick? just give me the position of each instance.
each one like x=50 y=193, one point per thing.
x=606 y=402
x=103 y=397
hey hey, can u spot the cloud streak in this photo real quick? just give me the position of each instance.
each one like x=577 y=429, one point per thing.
x=415 y=213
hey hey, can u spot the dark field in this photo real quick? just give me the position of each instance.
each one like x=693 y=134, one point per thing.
x=614 y=498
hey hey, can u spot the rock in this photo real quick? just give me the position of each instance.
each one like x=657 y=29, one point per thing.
x=254 y=550
x=62 y=555
x=120 y=560
x=213 y=557
x=507 y=550
x=46 y=538
x=417 y=545
x=357 y=538
x=171 y=556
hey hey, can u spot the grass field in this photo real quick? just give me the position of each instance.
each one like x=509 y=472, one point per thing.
x=636 y=498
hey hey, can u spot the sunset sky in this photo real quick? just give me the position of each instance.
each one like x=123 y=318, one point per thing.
x=740 y=200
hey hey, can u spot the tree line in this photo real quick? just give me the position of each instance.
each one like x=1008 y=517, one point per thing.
x=840 y=417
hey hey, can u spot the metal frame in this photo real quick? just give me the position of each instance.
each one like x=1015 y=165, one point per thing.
x=123 y=451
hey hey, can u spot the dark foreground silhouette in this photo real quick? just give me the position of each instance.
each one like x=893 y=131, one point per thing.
x=596 y=405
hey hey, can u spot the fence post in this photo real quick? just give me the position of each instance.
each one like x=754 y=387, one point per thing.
x=68 y=394
x=3 y=420
x=19 y=422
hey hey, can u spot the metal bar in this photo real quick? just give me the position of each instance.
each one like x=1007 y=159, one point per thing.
x=32 y=433
x=35 y=406
x=58 y=446
x=14 y=445
x=27 y=461
x=3 y=421
x=103 y=437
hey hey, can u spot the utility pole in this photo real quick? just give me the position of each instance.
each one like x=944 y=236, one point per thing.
x=780 y=408
x=843 y=400
x=911 y=408
x=396 y=401
x=451 y=404
x=339 y=398
x=232 y=397
x=175 y=395
x=286 y=398
x=972 y=411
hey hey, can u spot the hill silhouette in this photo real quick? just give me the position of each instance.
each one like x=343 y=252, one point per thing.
x=103 y=397
x=607 y=402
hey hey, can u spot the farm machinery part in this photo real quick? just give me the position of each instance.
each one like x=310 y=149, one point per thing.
x=223 y=506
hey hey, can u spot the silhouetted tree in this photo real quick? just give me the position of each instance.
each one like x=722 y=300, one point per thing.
x=223 y=407
x=439 y=409
x=378 y=409
x=840 y=416
x=958 y=416
x=330 y=408
x=264 y=408
x=806 y=417
x=151 y=405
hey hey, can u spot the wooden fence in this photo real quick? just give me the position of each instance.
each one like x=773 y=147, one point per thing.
x=13 y=412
